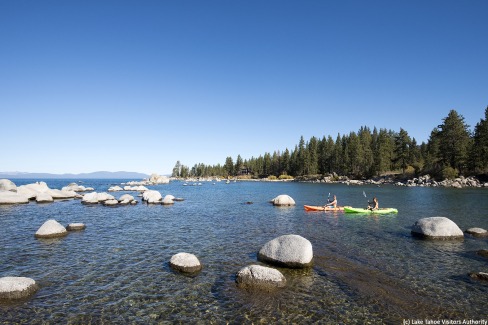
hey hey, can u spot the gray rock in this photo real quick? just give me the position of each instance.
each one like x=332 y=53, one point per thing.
x=75 y=226
x=185 y=262
x=7 y=197
x=51 y=229
x=283 y=200
x=479 y=275
x=115 y=189
x=7 y=185
x=477 y=232
x=261 y=277
x=17 y=287
x=483 y=252
x=437 y=228
x=292 y=251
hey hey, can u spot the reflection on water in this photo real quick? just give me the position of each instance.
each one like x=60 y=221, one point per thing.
x=366 y=268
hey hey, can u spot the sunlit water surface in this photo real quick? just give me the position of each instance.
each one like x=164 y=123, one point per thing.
x=367 y=269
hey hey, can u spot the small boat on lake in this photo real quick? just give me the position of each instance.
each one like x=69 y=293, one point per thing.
x=321 y=208
x=367 y=211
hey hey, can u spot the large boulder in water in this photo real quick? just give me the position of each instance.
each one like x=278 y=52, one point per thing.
x=283 y=200
x=260 y=277
x=94 y=198
x=152 y=196
x=51 y=229
x=7 y=197
x=292 y=251
x=16 y=287
x=168 y=200
x=7 y=185
x=185 y=262
x=440 y=228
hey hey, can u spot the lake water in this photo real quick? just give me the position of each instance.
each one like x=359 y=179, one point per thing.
x=367 y=269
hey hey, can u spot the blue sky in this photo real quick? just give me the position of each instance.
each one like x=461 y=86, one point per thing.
x=138 y=85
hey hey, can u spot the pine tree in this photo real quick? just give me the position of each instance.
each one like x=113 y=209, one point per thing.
x=454 y=141
x=479 y=152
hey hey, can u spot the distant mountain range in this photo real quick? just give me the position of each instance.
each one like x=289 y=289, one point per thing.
x=97 y=175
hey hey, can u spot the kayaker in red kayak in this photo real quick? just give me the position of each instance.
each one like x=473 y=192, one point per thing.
x=373 y=205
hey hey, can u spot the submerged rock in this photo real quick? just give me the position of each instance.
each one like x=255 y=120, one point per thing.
x=283 y=200
x=185 y=262
x=291 y=251
x=440 y=228
x=17 y=287
x=75 y=226
x=51 y=229
x=479 y=275
x=477 y=232
x=483 y=252
x=261 y=277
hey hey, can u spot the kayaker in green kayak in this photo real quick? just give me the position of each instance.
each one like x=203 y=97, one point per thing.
x=332 y=204
x=374 y=204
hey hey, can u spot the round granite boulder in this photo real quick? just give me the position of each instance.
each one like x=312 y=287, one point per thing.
x=185 y=262
x=439 y=228
x=16 y=287
x=283 y=200
x=477 y=232
x=168 y=200
x=51 y=229
x=260 y=277
x=291 y=251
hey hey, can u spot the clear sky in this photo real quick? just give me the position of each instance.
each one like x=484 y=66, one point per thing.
x=137 y=85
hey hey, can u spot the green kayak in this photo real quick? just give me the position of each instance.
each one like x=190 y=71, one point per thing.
x=366 y=211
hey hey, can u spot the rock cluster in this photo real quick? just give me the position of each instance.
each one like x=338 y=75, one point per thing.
x=154 y=179
x=12 y=194
x=77 y=188
x=291 y=251
x=459 y=182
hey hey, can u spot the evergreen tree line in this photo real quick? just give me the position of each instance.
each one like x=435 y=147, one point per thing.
x=451 y=150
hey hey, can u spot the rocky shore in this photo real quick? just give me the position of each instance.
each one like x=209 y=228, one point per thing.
x=422 y=181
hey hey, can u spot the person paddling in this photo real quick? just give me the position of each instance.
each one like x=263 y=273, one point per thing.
x=374 y=204
x=333 y=203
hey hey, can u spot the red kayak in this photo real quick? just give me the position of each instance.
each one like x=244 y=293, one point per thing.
x=321 y=208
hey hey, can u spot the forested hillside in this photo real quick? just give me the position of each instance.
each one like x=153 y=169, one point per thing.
x=451 y=150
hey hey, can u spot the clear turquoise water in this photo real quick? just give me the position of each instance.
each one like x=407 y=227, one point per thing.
x=366 y=269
